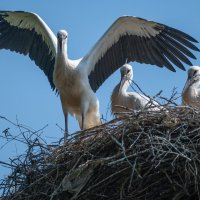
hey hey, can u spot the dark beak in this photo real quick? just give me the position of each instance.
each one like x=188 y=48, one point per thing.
x=123 y=80
x=60 y=43
x=188 y=83
x=191 y=80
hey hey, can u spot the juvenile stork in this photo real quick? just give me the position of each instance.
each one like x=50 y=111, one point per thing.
x=191 y=92
x=128 y=38
x=121 y=99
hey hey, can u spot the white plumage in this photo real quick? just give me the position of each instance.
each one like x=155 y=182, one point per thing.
x=191 y=91
x=123 y=101
x=127 y=39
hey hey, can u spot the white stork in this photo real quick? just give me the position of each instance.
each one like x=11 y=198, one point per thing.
x=191 y=91
x=128 y=38
x=121 y=99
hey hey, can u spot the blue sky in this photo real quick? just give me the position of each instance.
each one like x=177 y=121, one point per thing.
x=25 y=93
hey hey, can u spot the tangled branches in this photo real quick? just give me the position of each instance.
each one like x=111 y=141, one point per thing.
x=145 y=155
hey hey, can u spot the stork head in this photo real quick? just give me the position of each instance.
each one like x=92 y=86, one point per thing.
x=126 y=72
x=62 y=35
x=62 y=38
x=126 y=76
x=193 y=77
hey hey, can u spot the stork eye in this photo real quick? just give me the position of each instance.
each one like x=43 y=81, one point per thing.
x=128 y=71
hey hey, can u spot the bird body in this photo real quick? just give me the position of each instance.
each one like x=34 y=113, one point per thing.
x=127 y=39
x=191 y=97
x=122 y=100
x=131 y=100
x=191 y=92
x=78 y=99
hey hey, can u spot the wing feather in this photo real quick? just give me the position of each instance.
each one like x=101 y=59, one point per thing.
x=174 y=50
x=135 y=39
x=26 y=33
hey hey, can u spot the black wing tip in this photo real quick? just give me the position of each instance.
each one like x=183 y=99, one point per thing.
x=181 y=33
x=183 y=68
x=171 y=69
x=196 y=41
x=197 y=50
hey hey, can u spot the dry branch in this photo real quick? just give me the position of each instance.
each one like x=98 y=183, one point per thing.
x=145 y=155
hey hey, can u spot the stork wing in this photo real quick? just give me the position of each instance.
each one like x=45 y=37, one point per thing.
x=28 y=34
x=135 y=39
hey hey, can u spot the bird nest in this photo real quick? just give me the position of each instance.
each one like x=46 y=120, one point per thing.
x=144 y=155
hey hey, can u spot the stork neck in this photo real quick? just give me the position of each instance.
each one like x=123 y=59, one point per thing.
x=62 y=61
x=189 y=94
x=124 y=87
x=190 y=88
x=62 y=49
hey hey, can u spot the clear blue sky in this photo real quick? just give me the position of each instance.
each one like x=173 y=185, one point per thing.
x=24 y=90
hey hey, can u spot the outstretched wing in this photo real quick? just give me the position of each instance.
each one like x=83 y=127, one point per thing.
x=28 y=34
x=135 y=39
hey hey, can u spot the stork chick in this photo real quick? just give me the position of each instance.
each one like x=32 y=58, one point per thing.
x=191 y=92
x=130 y=100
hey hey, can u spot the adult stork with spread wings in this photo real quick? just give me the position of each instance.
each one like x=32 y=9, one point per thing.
x=127 y=39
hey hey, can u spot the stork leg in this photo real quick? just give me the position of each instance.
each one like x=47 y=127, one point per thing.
x=83 y=121
x=84 y=109
x=66 y=133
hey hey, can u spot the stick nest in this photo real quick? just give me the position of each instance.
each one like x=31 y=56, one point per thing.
x=145 y=155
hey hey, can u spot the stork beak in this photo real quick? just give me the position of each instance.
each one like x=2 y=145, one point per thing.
x=123 y=80
x=191 y=80
x=188 y=83
x=60 y=44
